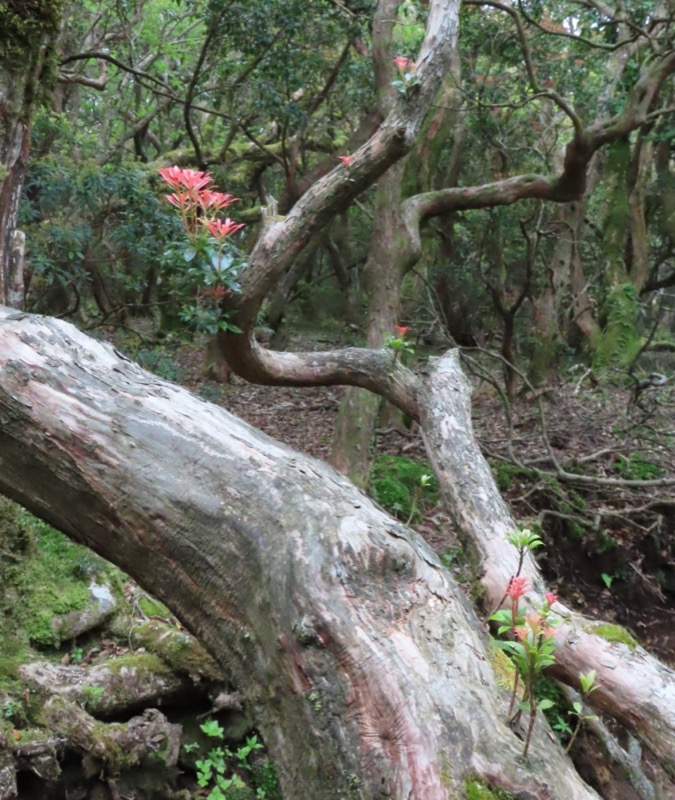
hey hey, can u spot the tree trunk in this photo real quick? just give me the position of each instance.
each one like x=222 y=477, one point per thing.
x=359 y=409
x=28 y=32
x=635 y=687
x=370 y=673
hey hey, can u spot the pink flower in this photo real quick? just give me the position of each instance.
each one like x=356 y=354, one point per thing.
x=178 y=199
x=533 y=620
x=217 y=292
x=215 y=201
x=190 y=179
x=517 y=587
x=548 y=632
x=521 y=633
x=221 y=230
x=172 y=176
x=551 y=598
x=401 y=62
x=346 y=160
x=401 y=331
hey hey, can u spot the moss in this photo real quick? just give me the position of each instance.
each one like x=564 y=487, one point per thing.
x=139 y=662
x=619 y=341
x=475 y=790
x=396 y=484
x=614 y=633
x=42 y=574
x=58 y=582
x=502 y=665
x=178 y=649
x=153 y=608
x=637 y=467
x=505 y=474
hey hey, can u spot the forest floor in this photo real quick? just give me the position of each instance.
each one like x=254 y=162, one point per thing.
x=610 y=545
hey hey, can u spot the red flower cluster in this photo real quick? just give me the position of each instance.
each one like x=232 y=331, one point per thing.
x=401 y=331
x=222 y=229
x=517 y=588
x=198 y=204
x=346 y=160
x=402 y=64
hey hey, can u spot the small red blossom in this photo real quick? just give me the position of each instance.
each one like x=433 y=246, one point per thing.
x=551 y=598
x=521 y=633
x=517 y=587
x=401 y=331
x=401 y=63
x=346 y=160
x=178 y=199
x=210 y=201
x=217 y=292
x=549 y=632
x=172 y=176
x=533 y=620
x=222 y=229
x=190 y=179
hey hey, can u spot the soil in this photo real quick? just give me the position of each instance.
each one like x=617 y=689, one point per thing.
x=610 y=548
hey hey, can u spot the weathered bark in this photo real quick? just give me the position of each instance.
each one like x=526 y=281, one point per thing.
x=369 y=671
x=359 y=409
x=634 y=687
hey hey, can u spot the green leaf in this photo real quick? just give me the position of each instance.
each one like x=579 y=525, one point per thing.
x=189 y=253
x=587 y=681
x=212 y=728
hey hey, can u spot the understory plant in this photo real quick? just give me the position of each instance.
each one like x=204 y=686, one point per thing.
x=532 y=647
x=398 y=343
x=407 y=74
x=205 y=270
x=219 y=771
x=587 y=685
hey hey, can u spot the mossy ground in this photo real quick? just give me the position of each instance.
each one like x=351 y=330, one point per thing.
x=42 y=574
x=396 y=483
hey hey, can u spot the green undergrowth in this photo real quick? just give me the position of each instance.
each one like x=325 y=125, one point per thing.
x=506 y=474
x=637 y=468
x=403 y=487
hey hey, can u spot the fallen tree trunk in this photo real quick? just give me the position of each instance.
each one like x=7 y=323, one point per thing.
x=633 y=686
x=370 y=674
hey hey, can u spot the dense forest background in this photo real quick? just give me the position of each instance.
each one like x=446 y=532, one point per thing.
x=529 y=222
